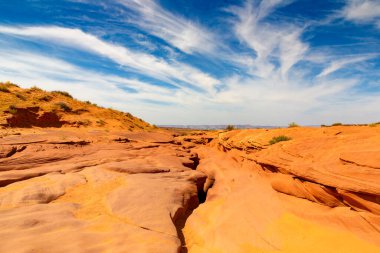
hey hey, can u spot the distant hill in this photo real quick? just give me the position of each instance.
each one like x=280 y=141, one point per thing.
x=35 y=107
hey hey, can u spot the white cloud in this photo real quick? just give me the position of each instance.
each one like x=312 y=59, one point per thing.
x=282 y=42
x=181 y=33
x=339 y=64
x=246 y=100
x=270 y=90
x=30 y=69
x=277 y=90
x=275 y=101
x=144 y=63
x=364 y=11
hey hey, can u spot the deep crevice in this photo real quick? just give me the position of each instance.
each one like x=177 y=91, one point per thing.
x=193 y=204
x=194 y=162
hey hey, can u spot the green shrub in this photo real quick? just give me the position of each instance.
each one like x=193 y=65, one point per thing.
x=100 y=122
x=230 y=127
x=84 y=122
x=35 y=88
x=4 y=88
x=80 y=111
x=279 y=138
x=46 y=98
x=9 y=84
x=63 y=93
x=337 y=124
x=12 y=109
x=18 y=95
x=90 y=103
x=64 y=106
x=374 y=124
x=293 y=124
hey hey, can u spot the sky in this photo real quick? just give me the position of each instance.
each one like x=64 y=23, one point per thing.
x=202 y=62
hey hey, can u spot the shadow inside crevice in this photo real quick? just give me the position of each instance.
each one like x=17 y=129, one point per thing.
x=180 y=224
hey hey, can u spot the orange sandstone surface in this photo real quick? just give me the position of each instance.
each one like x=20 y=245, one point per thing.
x=318 y=192
x=93 y=190
x=83 y=178
x=71 y=190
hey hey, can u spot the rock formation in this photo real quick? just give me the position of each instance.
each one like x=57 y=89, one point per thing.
x=318 y=192
x=34 y=107
x=118 y=184
x=79 y=191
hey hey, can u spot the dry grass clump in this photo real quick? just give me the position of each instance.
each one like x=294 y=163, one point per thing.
x=374 y=124
x=12 y=109
x=63 y=93
x=230 y=127
x=20 y=96
x=63 y=106
x=3 y=88
x=101 y=123
x=279 y=138
x=293 y=124
x=34 y=89
x=90 y=103
x=46 y=98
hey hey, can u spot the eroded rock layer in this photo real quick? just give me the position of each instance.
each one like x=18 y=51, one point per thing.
x=318 y=192
x=95 y=191
x=279 y=190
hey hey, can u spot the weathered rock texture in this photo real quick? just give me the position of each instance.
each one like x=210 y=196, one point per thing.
x=95 y=191
x=318 y=192
x=83 y=190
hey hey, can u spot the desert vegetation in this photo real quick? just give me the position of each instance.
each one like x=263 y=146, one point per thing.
x=230 y=127
x=279 y=138
x=3 y=88
x=63 y=93
x=60 y=106
x=12 y=109
x=374 y=124
x=63 y=106
x=293 y=124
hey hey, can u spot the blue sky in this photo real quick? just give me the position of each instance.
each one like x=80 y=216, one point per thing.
x=202 y=62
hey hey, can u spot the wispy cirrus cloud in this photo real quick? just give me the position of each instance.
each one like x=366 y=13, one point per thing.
x=280 y=43
x=276 y=83
x=341 y=63
x=181 y=33
x=362 y=11
x=144 y=63
x=267 y=69
x=50 y=73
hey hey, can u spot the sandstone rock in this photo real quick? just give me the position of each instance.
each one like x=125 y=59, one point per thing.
x=80 y=191
x=318 y=192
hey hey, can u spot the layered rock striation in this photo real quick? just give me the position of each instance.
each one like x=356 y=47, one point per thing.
x=317 y=192
x=95 y=191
